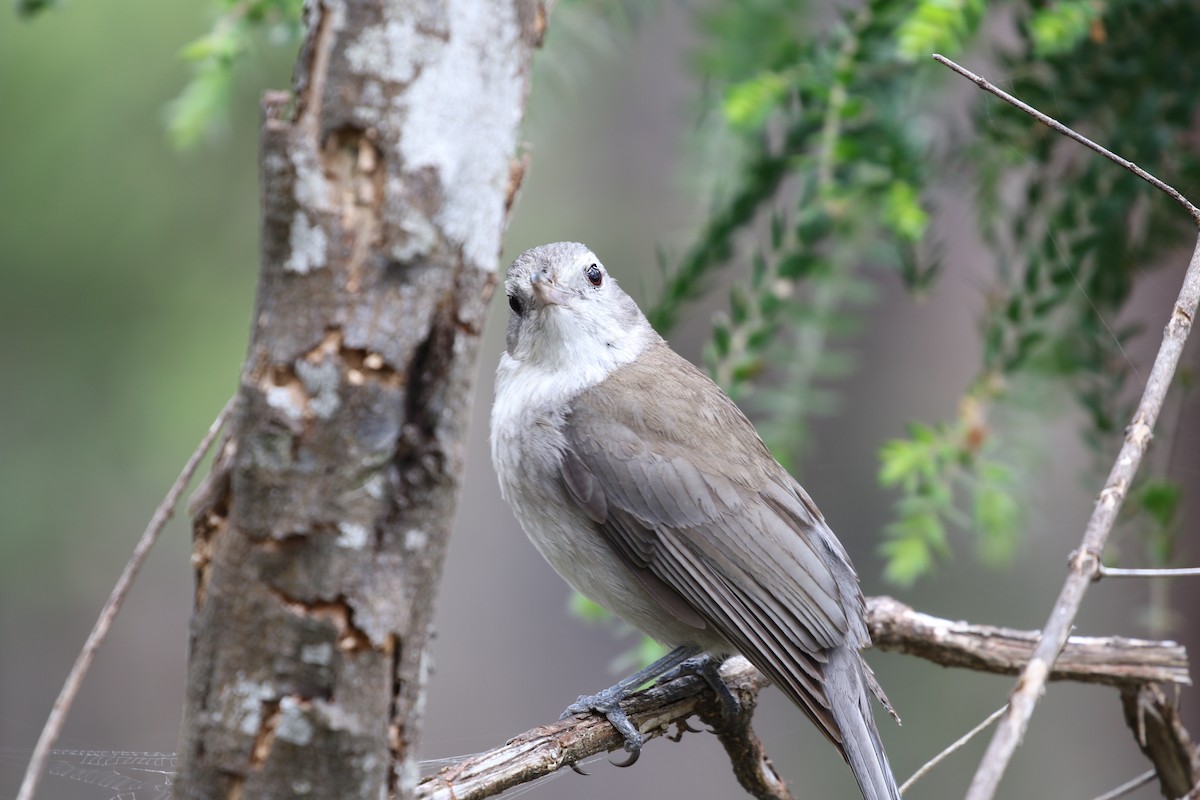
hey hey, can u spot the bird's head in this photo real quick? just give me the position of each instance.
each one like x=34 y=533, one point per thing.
x=567 y=312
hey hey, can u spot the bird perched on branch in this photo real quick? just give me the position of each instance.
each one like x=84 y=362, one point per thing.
x=647 y=489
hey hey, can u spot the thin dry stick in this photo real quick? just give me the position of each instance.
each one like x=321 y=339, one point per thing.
x=1111 y=572
x=1085 y=561
x=1050 y=122
x=942 y=756
x=1129 y=786
x=66 y=696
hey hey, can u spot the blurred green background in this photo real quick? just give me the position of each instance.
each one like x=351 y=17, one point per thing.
x=127 y=273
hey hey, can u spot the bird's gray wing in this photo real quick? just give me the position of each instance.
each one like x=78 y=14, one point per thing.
x=692 y=502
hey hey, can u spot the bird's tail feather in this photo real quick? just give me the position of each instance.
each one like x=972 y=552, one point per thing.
x=846 y=686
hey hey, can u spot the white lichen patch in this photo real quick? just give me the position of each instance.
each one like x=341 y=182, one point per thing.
x=415 y=539
x=376 y=486
x=459 y=115
x=293 y=725
x=352 y=536
x=319 y=655
x=321 y=380
x=308 y=244
x=288 y=400
x=244 y=701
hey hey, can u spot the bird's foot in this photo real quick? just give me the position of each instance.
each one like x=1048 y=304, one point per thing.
x=709 y=668
x=608 y=703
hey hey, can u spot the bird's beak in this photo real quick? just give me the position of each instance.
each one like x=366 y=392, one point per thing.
x=545 y=292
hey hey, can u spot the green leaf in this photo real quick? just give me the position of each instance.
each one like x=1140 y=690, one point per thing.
x=937 y=26
x=739 y=305
x=28 y=9
x=1062 y=26
x=902 y=212
x=748 y=104
x=202 y=108
x=996 y=515
x=905 y=462
x=721 y=339
x=587 y=609
x=1160 y=499
x=907 y=551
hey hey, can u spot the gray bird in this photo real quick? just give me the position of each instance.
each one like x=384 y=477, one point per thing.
x=650 y=492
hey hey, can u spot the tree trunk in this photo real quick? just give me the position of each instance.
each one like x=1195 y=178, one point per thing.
x=386 y=178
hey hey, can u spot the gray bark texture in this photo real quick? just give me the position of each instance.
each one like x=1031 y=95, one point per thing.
x=386 y=179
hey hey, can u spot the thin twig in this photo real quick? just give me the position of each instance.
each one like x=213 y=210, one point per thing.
x=1085 y=561
x=66 y=696
x=1129 y=786
x=942 y=756
x=1050 y=122
x=1111 y=572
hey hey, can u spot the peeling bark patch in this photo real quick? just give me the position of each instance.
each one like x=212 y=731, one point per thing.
x=349 y=636
x=396 y=741
x=266 y=733
x=353 y=164
x=308 y=243
x=312 y=67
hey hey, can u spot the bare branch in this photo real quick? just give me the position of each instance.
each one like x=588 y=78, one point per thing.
x=1154 y=720
x=66 y=696
x=1112 y=660
x=957 y=745
x=1050 y=122
x=751 y=766
x=1125 y=663
x=1129 y=786
x=1111 y=572
x=541 y=751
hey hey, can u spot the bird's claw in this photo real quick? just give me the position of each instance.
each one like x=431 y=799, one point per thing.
x=709 y=668
x=608 y=703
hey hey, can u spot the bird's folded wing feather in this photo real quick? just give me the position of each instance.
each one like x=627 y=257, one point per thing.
x=689 y=497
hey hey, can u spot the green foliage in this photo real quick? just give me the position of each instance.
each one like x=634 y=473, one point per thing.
x=830 y=161
x=31 y=8
x=937 y=26
x=834 y=163
x=1062 y=26
x=202 y=107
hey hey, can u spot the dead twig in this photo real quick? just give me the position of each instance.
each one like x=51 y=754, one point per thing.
x=1111 y=660
x=66 y=696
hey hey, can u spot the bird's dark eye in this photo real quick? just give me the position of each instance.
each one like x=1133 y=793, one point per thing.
x=514 y=303
x=594 y=275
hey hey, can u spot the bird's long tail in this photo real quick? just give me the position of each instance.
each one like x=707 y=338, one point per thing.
x=847 y=685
